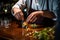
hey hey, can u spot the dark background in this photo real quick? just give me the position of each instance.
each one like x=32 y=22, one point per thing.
x=6 y=5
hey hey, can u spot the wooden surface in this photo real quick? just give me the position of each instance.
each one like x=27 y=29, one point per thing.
x=16 y=33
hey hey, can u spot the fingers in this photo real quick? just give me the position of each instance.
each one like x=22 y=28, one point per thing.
x=31 y=18
x=22 y=16
x=34 y=16
x=34 y=20
x=19 y=16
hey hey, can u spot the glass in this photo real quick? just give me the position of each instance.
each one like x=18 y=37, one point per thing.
x=4 y=23
x=1 y=23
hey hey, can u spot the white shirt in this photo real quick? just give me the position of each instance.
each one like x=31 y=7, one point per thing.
x=39 y=4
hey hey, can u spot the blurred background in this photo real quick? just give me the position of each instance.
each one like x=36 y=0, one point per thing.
x=5 y=11
x=5 y=8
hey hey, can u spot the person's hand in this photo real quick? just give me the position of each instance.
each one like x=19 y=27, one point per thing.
x=18 y=14
x=34 y=16
x=38 y=16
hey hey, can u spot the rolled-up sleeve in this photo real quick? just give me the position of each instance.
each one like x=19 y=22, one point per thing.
x=19 y=3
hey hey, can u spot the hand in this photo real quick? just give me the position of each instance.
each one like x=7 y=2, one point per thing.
x=34 y=16
x=18 y=14
x=38 y=16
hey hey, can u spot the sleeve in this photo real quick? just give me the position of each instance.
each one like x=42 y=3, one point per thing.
x=19 y=3
x=55 y=8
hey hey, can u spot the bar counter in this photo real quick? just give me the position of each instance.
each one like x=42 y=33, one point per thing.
x=14 y=32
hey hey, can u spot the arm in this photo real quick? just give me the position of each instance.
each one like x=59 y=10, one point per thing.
x=37 y=14
x=17 y=12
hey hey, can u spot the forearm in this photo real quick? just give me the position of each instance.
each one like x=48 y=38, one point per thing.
x=38 y=12
x=45 y=13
